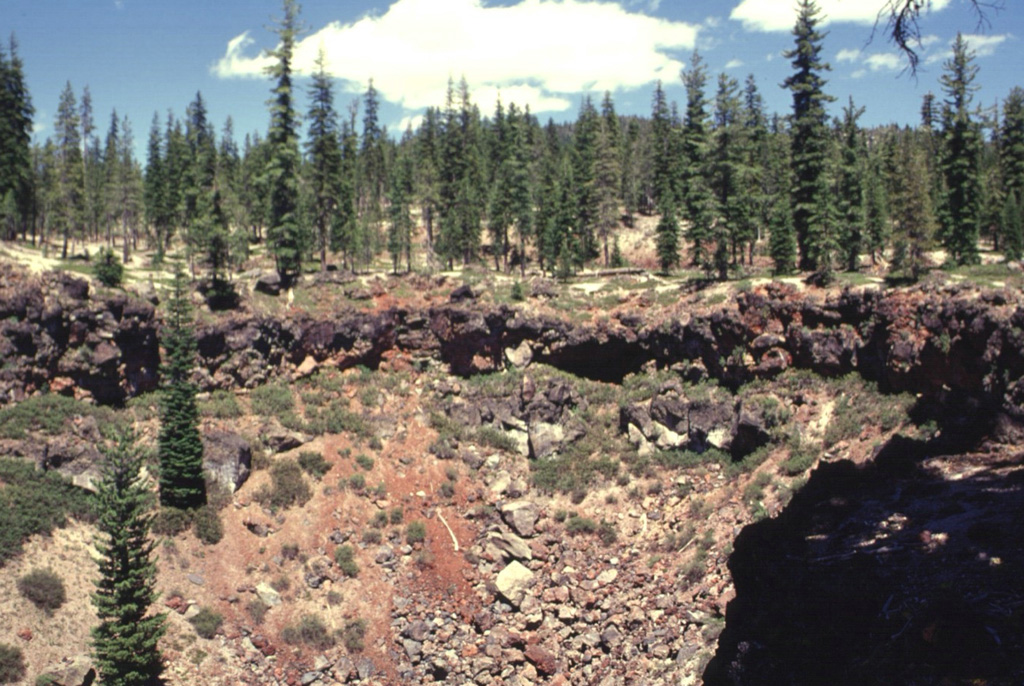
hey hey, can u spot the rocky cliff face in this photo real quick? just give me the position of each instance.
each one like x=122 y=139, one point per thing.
x=940 y=342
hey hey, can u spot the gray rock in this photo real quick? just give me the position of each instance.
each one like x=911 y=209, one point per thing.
x=413 y=649
x=522 y=516
x=196 y=579
x=268 y=595
x=365 y=667
x=283 y=440
x=509 y=546
x=227 y=456
x=545 y=439
x=519 y=357
x=513 y=582
x=417 y=631
x=269 y=283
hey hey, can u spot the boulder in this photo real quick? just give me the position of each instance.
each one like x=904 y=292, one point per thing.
x=520 y=356
x=522 y=516
x=545 y=439
x=268 y=595
x=513 y=582
x=71 y=671
x=508 y=546
x=269 y=283
x=227 y=456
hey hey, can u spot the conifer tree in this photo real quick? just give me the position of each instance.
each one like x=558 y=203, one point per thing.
x=698 y=200
x=92 y=168
x=851 y=188
x=730 y=177
x=1011 y=142
x=16 y=173
x=876 y=212
x=607 y=177
x=284 y=228
x=519 y=179
x=180 y=449
x=324 y=152
x=125 y=641
x=427 y=173
x=960 y=157
x=913 y=215
x=372 y=173
x=400 y=206
x=667 y=239
x=663 y=161
x=810 y=140
x=70 y=190
x=1012 y=226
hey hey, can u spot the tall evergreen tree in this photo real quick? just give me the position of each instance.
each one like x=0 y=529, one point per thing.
x=92 y=169
x=324 y=152
x=70 y=189
x=960 y=157
x=125 y=641
x=607 y=176
x=180 y=449
x=400 y=205
x=16 y=172
x=372 y=173
x=913 y=215
x=1011 y=142
x=663 y=161
x=810 y=141
x=1012 y=226
x=698 y=200
x=667 y=239
x=851 y=188
x=731 y=180
x=876 y=211
x=284 y=228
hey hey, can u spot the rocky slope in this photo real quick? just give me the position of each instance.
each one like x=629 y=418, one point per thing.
x=613 y=508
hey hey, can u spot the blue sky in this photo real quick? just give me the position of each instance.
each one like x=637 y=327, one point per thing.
x=146 y=56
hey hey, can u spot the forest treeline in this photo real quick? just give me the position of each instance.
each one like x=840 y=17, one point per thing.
x=727 y=179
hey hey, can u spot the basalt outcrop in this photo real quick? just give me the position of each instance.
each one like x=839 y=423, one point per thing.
x=953 y=342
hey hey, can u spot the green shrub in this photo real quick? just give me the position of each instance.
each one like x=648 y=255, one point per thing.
x=310 y=630
x=364 y=461
x=607 y=533
x=379 y=520
x=344 y=556
x=288 y=487
x=12 y=664
x=170 y=521
x=272 y=400
x=207 y=525
x=495 y=438
x=34 y=502
x=47 y=413
x=802 y=455
x=47 y=680
x=314 y=464
x=517 y=293
x=415 y=532
x=580 y=525
x=108 y=268
x=335 y=418
x=257 y=609
x=280 y=583
x=397 y=515
x=44 y=588
x=206 y=622
x=357 y=482
x=446 y=489
x=221 y=404
x=352 y=635
x=371 y=537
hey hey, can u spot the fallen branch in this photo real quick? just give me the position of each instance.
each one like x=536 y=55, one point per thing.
x=455 y=541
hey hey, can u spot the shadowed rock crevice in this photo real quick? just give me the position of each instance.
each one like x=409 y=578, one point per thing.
x=902 y=571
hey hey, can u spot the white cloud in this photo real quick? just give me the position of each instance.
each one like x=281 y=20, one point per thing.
x=780 y=15
x=536 y=51
x=982 y=46
x=848 y=55
x=885 y=60
x=734 y=64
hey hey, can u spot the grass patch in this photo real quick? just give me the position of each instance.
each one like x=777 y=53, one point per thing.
x=221 y=405
x=314 y=464
x=206 y=622
x=43 y=588
x=310 y=630
x=287 y=487
x=271 y=400
x=48 y=413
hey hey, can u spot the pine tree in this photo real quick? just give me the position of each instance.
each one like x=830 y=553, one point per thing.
x=70 y=183
x=92 y=169
x=180 y=449
x=587 y=131
x=876 y=212
x=782 y=238
x=324 y=152
x=912 y=214
x=372 y=174
x=125 y=641
x=520 y=188
x=698 y=200
x=427 y=174
x=663 y=160
x=730 y=177
x=16 y=173
x=1011 y=142
x=667 y=239
x=960 y=157
x=208 y=233
x=607 y=176
x=810 y=140
x=1012 y=227
x=284 y=228
x=400 y=206
x=851 y=188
